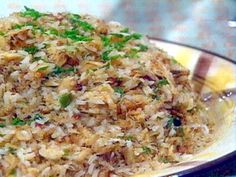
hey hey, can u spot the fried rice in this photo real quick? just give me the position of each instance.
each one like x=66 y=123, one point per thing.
x=83 y=97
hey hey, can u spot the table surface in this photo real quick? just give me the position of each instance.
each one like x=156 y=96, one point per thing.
x=200 y=23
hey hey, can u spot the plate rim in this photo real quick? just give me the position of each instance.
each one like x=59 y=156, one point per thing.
x=193 y=47
x=214 y=163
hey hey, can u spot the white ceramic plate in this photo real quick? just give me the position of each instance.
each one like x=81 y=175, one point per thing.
x=211 y=73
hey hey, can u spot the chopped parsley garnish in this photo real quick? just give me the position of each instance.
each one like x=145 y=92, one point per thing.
x=66 y=152
x=31 y=50
x=75 y=36
x=164 y=160
x=128 y=138
x=37 y=59
x=42 y=68
x=119 y=35
x=13 y=172
x=158 y=118
x=146 y=150
x=106 y=40
x=105 y=56
x=85 y=25
x=142 y=48
x=2 y=33
x=17 y=121
x=19 y=26
x=174 y=60
x=110 y=46
x=65 y=99
x=133 y=53
x=2 y=125
x=12 y=150
x=162 y=82
x=32 y=13
x=52 y=31
x=76 y=20
x=60 y=70
x=125 y=30
x=119 y=90
x=132 y=36
x=170 y=122
x=70 y=33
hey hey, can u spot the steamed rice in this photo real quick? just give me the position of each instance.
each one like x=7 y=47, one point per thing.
x=82 y=97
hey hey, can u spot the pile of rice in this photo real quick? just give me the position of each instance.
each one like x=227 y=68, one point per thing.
x=82 y=97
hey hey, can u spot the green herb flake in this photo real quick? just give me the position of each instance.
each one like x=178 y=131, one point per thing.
x=119 y=35
x=106 y=40
x=75 y=36
x=66 y=152
x=129 y=138
x=65 y=99
x=162 y=82
x=32 y=13
x=125 y=30
x=170 y=122
x=13 y=172
x=142 y=48
x=76 y=20
x=42 y=68
x=132 y=54
x=85 y=25
x=164 y=160
x=19 y=26
x=31 y=50
x=52 y=31
x=2 y=125
x=59 y=70
x=105 y=55
x=17 y=121
x=74 y=17
x=2 y=33
x=119 y=90
x=174 y=60
x=159 y=118
x=12 y=150
x=132 y=36
x=37 y=59
x=146 y=150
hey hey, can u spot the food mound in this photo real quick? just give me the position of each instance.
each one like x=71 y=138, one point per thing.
x=82 y=97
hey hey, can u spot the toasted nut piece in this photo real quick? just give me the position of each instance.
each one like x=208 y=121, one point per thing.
x=3 y=43
x=83 y=155
x=67 y=83
x=24 y=135
x=129 y=156
x=52 y=153
x=7 y=56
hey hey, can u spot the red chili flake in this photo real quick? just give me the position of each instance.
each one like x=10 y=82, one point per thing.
x=76 y=116
x=78 y=87
x=72 y=61
x=116 y=82
x=118 y=109
x=38 y=125
x=146 y=77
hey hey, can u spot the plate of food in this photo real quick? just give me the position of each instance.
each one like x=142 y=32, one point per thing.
x=83 y=97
